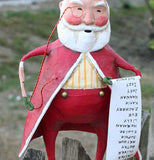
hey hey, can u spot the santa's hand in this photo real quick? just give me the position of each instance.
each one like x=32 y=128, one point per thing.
x=28 y=104
x=138 y=72
x=107 y=80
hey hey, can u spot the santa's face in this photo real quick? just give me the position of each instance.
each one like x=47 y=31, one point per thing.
x=85 y=25
x=92 y=12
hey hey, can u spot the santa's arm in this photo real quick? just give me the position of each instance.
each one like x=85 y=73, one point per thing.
x=35 y=52
x=125 y=65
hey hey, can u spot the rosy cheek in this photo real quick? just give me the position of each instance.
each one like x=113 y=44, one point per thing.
x=101 y=21
x=73 y=20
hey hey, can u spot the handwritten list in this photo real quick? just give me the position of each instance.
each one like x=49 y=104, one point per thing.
x=124 y=118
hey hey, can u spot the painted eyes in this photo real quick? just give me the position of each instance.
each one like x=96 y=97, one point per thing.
x=99 y=11
x=77 y=11
x=80 y=9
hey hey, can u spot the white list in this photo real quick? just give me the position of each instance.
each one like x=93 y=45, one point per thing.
x=124 y=118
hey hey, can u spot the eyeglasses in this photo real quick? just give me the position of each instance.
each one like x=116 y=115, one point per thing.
x=79 y=11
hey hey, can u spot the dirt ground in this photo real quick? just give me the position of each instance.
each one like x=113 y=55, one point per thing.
x=130 y=45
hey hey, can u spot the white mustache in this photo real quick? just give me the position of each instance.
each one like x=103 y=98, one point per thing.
x=83 y=27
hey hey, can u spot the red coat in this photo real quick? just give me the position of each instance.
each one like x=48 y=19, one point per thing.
x=54 y=74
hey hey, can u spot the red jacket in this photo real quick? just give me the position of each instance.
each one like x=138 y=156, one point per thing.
x=53 y=75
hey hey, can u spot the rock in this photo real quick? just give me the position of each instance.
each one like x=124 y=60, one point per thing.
x=33 y=154
x=73 y=149
x=151 y=136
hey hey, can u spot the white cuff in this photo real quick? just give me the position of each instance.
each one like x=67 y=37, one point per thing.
x=21 y=64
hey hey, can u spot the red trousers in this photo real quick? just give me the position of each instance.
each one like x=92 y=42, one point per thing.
x=84 y=110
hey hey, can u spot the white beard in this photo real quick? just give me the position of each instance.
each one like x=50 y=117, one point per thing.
x=75 y=38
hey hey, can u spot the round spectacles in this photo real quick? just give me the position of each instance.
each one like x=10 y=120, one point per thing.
x=79 y=11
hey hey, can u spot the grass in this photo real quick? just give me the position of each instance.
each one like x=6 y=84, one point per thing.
x=151 y=44
x=147 y=90
x=19 y=27
x=3 y=42
x=21 y=117
x=123 y=15
x=14 y=107
x=151 y=3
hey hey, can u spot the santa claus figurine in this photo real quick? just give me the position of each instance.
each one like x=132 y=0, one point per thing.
x=72 y=91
